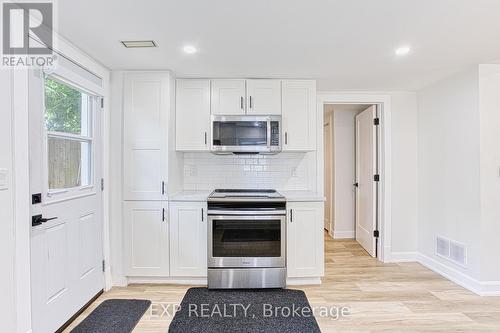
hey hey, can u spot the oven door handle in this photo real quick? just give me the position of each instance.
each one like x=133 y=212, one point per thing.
x=245 y=213
x=246 y=217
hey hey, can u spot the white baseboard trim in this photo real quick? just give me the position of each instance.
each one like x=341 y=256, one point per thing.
x=303 y=281
x=481 y=288
x=402 y=257
x=202 y=281
x=344 y=234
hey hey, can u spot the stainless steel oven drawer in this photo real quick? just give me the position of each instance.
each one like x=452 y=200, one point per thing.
x=246 y=278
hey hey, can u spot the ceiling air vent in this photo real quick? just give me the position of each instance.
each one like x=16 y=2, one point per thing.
x=138 y=43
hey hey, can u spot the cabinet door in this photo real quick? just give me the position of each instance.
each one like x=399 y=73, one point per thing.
x=188 y=239
x=305 y=239
x=299 y=115
x=192 y=115
x=263 y=97
x=228 y=97
x=146 y=238
x=146 y=107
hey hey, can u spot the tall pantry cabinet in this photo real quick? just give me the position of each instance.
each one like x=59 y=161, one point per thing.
x=147 y=103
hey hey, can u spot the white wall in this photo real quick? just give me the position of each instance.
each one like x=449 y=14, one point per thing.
x=344 y=173
x=449 y=168
x=489 y=106
x=7 y=250
x=404 y=172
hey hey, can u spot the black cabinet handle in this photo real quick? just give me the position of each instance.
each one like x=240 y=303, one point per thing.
x=162 y=188
x=205 y=137
x=38 y=219
x=250 y=102
x=163 y=215
x=241 y=102
x=202 y=215
x=291 y=215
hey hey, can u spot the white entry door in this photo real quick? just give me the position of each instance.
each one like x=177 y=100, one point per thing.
x=366 y=186
x=65 y=170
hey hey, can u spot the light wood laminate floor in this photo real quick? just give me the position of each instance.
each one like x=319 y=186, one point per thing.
x=405 y=297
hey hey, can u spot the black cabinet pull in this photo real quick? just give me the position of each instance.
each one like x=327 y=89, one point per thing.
x=162 y=188
x=205 y=137
x=202 y=215
x=163 y=215
x=291 y=215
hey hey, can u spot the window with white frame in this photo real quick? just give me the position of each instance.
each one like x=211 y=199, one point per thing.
x=69 y=115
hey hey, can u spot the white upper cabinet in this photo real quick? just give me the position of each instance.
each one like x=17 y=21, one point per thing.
x=305 y=239
x=263 y=97
x=146 y=107
x=299 y=115
x=192 y=115
x=188 y=239
x=228 y=97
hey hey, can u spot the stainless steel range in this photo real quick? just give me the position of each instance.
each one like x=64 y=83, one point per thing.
x=246 y=239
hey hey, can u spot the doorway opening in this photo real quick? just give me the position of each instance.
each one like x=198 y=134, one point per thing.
x=351 y=142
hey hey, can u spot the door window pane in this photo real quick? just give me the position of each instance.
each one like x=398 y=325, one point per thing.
x=67 y=109
x=69 y=163
x=246 y=238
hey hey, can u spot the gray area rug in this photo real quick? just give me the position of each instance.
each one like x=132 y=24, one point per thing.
x=114 y=316
x=259 y=310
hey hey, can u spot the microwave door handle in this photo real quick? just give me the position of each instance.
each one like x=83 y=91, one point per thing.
x=269 y=134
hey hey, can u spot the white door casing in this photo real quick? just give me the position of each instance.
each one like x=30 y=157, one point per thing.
x=192 y=115
x=145 y=149
x=366 y=169
x=228 y=97
x=188 y=239
x=263 y=97
x=66 y=252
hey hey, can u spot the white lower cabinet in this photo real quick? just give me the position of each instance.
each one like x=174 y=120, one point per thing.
x=188 y=239
x=146 y=238
x=305 y=239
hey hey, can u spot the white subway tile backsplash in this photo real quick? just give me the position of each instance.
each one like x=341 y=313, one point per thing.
x=286 y=171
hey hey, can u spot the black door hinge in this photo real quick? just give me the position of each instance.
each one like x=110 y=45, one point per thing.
x=376 y=121
x=376 y=178
x=375 y=233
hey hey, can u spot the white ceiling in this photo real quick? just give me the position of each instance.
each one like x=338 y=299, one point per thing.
x=344 y=44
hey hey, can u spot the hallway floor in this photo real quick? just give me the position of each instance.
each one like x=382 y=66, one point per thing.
x=404 y=297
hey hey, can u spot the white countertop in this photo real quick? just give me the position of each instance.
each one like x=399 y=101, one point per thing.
x=298 y=196
x=189 y=196
x=302 y=196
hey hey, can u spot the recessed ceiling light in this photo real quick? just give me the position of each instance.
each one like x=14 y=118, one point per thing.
x=190 y=49
x=138 y=43
x=402 y=50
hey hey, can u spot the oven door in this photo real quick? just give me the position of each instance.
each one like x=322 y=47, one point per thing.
x=246 y=241
x=251 y=134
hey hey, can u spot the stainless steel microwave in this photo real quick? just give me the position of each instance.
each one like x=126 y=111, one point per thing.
x=246 y=134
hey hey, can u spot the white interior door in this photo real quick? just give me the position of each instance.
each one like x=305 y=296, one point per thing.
x=366 y=190
x=65 y=169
